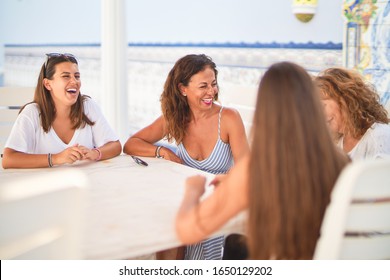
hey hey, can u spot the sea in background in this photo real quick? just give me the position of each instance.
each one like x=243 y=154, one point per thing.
x=240 y=69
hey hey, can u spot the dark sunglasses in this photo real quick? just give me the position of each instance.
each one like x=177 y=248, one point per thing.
x=66 y=55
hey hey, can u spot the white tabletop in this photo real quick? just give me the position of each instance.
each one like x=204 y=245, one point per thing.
x=130 y=209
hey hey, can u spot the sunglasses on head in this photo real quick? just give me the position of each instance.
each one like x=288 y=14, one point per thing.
x=51 y=55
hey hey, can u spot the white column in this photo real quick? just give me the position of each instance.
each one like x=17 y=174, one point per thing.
x=114 y=65
x=1 y=63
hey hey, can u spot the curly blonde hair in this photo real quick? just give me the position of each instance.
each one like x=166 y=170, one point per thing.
x=358 y=100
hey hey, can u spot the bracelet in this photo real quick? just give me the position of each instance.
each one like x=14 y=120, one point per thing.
x=157 y=153
x=99 y=152
x=49 y=160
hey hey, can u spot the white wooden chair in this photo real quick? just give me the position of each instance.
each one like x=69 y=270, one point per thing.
x=11 y=100
x=243 y=99
x=357 y=221
x=41 y=218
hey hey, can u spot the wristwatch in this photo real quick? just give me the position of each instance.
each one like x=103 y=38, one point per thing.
x=158 y=152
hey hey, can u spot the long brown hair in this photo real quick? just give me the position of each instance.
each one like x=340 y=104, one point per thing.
x=358 y=100
x=293 y=166
x=174 y=105
x=45 y=101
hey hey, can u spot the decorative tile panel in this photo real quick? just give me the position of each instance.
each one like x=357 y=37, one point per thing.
x=368 y=42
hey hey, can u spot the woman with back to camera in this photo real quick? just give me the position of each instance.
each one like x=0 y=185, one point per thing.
x=285 y=180
x=209 y=137
x=357 y=120
x=60 y=126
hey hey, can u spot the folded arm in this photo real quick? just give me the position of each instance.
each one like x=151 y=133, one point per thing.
x=110 y=149
x=142 y=142
x=16 y=159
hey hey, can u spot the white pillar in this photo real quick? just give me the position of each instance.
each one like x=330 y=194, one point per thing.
x=114 y=65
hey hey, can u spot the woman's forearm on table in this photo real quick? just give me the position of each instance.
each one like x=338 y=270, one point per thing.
x=111 y=149
x=139 y=147
x=15 y=159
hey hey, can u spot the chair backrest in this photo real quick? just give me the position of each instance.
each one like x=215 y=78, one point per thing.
x=11 y=100
x=41 y=217
x=243 y=99
x=357 y=221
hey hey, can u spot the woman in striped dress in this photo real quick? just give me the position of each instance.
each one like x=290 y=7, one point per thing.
x=209 y=137
x=284 y=182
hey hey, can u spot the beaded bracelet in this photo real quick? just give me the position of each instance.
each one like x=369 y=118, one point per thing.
x=99 y=152
x=49 y=160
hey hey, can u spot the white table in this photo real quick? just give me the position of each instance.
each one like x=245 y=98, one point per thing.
x=130 y=209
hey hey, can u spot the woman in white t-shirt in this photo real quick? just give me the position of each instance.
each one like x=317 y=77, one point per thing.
x=357 y=120
x=60 y=126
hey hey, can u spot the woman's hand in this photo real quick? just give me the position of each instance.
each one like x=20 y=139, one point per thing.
x=169 y=155
x=69 y=155
x=217 y=180
x=195 y=186
x=91 y=154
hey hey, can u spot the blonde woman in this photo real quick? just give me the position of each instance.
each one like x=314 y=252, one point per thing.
x=357 y=120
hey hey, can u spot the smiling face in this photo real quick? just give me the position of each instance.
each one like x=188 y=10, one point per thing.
x=65 y=84
x=201 y=89
x=333 y=116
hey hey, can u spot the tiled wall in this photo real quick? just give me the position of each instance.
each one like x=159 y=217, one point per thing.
x=368 y=41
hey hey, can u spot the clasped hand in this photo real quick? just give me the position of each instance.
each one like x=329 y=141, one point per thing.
x=73 y=154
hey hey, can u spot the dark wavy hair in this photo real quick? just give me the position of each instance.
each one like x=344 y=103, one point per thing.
x=358 y=100
x=174 y=105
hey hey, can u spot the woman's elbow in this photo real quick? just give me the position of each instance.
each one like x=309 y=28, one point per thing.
x=6 y=160
x=182 y=234
x=118 y=148
x=127 y=146
x=112 y=149
x=185 y=232
x=5 y=164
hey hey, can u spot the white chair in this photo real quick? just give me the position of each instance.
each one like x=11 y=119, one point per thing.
x=357 y=221
x=243 y=99
x=11 y=100
x=41 y=218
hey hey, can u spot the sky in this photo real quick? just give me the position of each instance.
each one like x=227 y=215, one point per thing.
x=169 y=21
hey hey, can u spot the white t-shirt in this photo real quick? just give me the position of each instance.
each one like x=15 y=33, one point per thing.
x=374 y=144
x=28 y=136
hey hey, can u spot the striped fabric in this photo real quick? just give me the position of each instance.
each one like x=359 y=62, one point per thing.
x=209 y=249
x=219 y=161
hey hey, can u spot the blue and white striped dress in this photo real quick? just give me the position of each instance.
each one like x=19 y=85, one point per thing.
x=219 y=161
